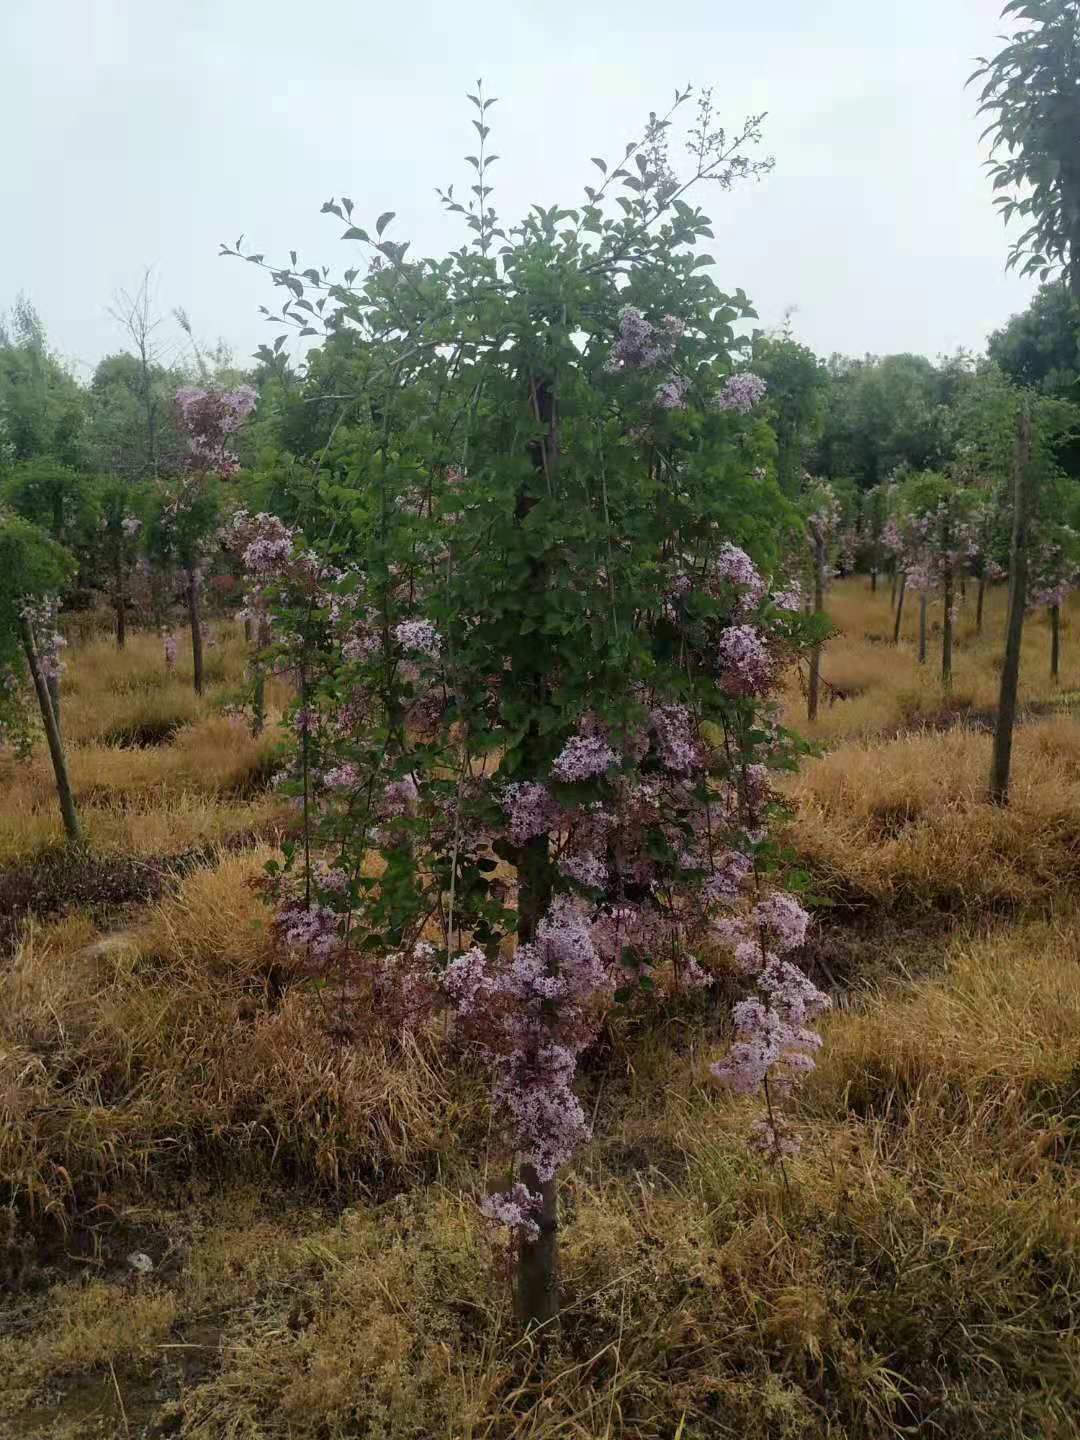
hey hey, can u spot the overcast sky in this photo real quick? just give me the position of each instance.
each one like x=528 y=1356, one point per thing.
x=143 y=133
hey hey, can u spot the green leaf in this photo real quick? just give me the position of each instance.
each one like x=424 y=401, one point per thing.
x=383 y=220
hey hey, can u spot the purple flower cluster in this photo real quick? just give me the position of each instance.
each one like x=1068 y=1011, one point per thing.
x=583 y=757
x=311 y=928
x=773 y=1039
x=671 y=395
x=209 y=417
x=675 y=738
x=640 y=344
x=515 y=1208
x=734 y=567
x=419 y=637
x=532 y=810
x=746 y=667
x=742 y=392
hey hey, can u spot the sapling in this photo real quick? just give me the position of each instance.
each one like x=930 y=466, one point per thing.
x=530 y=622
x=33 y=569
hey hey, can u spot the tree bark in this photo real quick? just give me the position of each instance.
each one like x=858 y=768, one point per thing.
x=538 y=1273
x=899 y=608
x=813 y=689
x=946 y=629
x=873 y=582
x=979 y=604
x=52 y=735
x=1055 y=642
x=922 y=627
x=1010 y=670
x=892 y=589
x=196 y=627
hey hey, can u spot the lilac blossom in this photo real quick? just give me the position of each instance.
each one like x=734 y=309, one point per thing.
x=742 y=392
x=583 y=757
x=532 y=809
x=746 y=667
x=418 y=636
x=515 y=1208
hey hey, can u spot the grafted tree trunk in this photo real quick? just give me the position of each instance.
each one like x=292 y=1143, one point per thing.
x=813 y=689
x=196 y=627
x=899 y=608
x=1010 y=670
x=52 y=734
x=1055 y=642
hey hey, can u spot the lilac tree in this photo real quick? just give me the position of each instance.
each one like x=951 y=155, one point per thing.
x=533 y=653
x=184 y=526
x=1054 y=570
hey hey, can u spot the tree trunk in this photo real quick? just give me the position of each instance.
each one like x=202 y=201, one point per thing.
x=538 y=1260
x=922 y=627
x=899 y=608
x=873 y=582
x=1055 y=642
x=979 y=604
x=813 y=689
x=120 y=603
x=52 y=735
x=892 y=590
x=1010 y=670
x=946 y=629
x=538 y=1273
x=196 y=628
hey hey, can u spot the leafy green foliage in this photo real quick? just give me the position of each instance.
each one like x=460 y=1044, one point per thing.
x=1032 y=90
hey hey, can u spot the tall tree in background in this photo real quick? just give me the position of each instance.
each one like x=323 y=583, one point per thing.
x=1032 y=90
x=1038 y=348
x=42 y=407
x=798 y=386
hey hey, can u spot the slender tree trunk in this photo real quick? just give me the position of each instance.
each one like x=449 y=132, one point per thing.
x=538 y=1272
x=258 y=699
x=980 y=597
x=196 y=627
x=813 y=689
x=1055 y=642
x=946 y=630
x=121 y=607
x=873 y=581
x=892 y=590
x=538 y=1260
x=922 y=627
x=1010 y=670
x=899 y=608
x=53 y=679
x=52 y=735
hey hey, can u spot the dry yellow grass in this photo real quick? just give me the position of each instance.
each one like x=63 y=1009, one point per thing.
x=199 y=779
x=173 y=1091
x=886 y=689
x=907 y=821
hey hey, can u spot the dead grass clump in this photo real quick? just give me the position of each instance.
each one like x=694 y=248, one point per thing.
x=124 y=1064
x=906 y=824
x=1002 y=1022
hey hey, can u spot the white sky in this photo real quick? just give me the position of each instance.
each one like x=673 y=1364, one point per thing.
x=141 y=132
